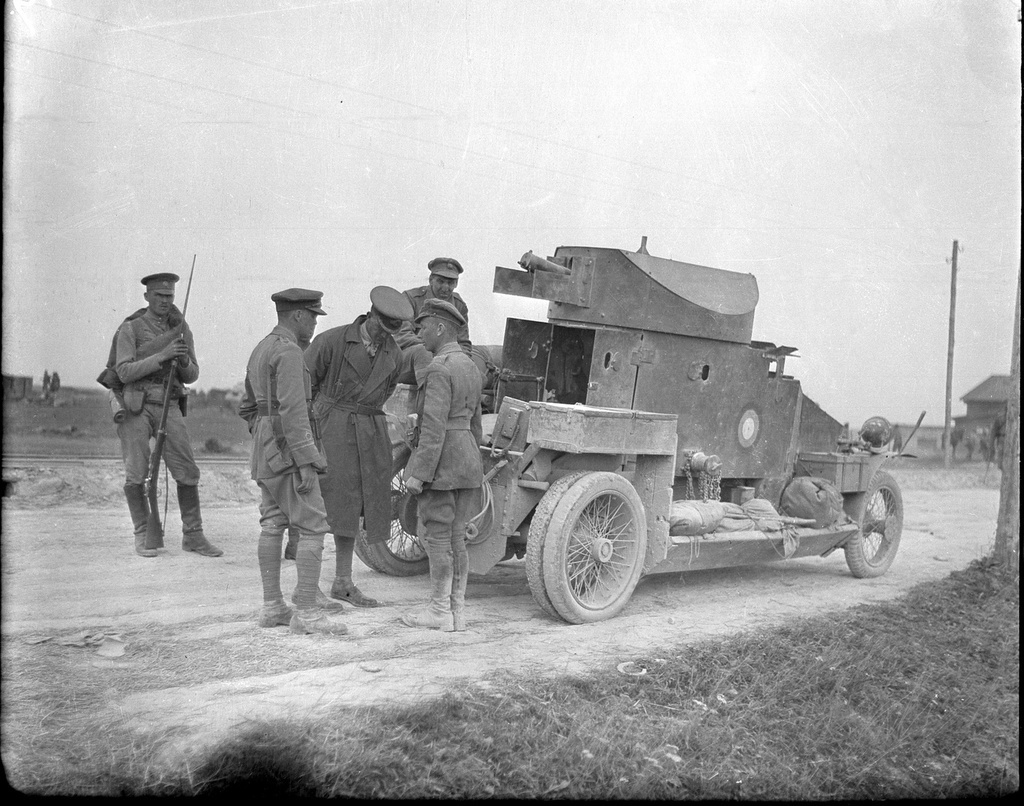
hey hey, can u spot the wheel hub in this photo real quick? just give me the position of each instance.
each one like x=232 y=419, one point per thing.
x=602 y=549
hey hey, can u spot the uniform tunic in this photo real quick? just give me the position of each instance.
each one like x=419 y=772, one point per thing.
x=144 y=379
x=349 y=391
x=447 y=452
x=276 y=408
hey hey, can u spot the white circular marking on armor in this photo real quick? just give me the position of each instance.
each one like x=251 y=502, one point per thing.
x=750 y=426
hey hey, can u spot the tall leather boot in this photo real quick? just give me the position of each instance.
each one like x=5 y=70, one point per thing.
x=138 y=508
x=192 y=537
x=437 y=615
x=460 y=575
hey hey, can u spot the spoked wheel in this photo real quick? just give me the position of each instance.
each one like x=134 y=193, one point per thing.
x=870 y=552
x=593 y=549
x=402 y=554
x=535 y=540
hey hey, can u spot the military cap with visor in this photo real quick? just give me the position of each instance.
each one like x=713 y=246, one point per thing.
x=445 y=267
x=442 y=310
x=162 y=281
x=297 y=299
x=391 y=306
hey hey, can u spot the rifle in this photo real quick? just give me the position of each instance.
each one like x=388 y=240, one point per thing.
x=154 y=529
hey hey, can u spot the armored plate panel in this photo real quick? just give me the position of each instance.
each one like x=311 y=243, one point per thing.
x=633 y=290
x=727 y=402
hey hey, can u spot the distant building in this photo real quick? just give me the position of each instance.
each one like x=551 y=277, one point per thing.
x=17 y=387
x=985 y=402
x=926 y=442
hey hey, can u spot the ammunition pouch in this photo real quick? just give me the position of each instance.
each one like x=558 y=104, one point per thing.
x=134 y=398
x=108 y=379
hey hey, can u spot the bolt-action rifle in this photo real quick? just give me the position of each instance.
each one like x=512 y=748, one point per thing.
x=154 y=530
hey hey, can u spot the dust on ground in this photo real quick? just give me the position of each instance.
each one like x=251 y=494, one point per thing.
x=69 y=567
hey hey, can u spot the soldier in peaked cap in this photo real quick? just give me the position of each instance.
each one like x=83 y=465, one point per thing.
x=354 y=369
x=150 y=344
x=286 y=461
x=445 y=471
x=444 y=277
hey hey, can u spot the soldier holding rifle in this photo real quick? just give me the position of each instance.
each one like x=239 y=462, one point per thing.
x=147 y=348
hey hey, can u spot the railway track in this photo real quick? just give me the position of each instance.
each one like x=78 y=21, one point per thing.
x=53 y=460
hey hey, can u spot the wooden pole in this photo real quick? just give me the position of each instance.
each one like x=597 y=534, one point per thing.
x=947 y=441
x=1007 y=548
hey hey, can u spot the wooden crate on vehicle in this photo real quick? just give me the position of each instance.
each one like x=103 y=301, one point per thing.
x=849 y=472
x=592 y=429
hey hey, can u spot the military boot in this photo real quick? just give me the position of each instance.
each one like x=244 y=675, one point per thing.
x=193 y=538
x=138 y=507
x=460 y=575
x=437 y=614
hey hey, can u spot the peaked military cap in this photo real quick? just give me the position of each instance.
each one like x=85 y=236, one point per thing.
x=446 y=267
x=297 y=299
x=163 y=281
x=442 y=310
x=391 y=303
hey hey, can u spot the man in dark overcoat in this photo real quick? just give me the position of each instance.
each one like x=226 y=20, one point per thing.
x=354 y=369
x=286 y=461
x=445 y=470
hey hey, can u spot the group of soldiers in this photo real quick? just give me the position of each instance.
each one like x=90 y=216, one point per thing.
x=321 y=451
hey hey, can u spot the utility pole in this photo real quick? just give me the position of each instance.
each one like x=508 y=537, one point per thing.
x=947 y=436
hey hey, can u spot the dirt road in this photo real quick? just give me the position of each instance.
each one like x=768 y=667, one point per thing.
x=71 y=569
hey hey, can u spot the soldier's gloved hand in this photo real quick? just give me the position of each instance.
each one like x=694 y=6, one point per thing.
x=174 y=318
x=414 y=485
x=307 y=478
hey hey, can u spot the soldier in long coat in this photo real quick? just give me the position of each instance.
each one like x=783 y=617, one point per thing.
x=285 y=463
x=354 y=369
x=445 y=470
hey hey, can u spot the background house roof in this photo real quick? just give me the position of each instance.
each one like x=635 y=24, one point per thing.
x=994 y=389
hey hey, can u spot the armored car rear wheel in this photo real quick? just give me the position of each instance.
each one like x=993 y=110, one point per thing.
x=594 y=547
x=870 y=552
x=402 y=554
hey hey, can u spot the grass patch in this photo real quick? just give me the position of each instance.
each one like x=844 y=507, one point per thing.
x=913 y=698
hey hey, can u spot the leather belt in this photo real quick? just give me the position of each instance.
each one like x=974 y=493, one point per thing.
x=264 y=409
x=359 y=408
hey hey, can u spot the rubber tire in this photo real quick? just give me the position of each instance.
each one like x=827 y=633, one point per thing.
x=535 y=540
x=628 y=542
x=382 y=556
x=862 y=556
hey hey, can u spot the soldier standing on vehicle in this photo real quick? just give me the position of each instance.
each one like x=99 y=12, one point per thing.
x=285 y=464
x=445 y=471
x=354 y=369
x=148 y=347
x=444 y=278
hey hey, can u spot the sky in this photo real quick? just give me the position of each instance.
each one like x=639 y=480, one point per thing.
x=835 y=151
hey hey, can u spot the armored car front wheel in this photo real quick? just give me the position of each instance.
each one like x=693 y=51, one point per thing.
x=870 y=552
x=593 y=549
x=402 y=554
